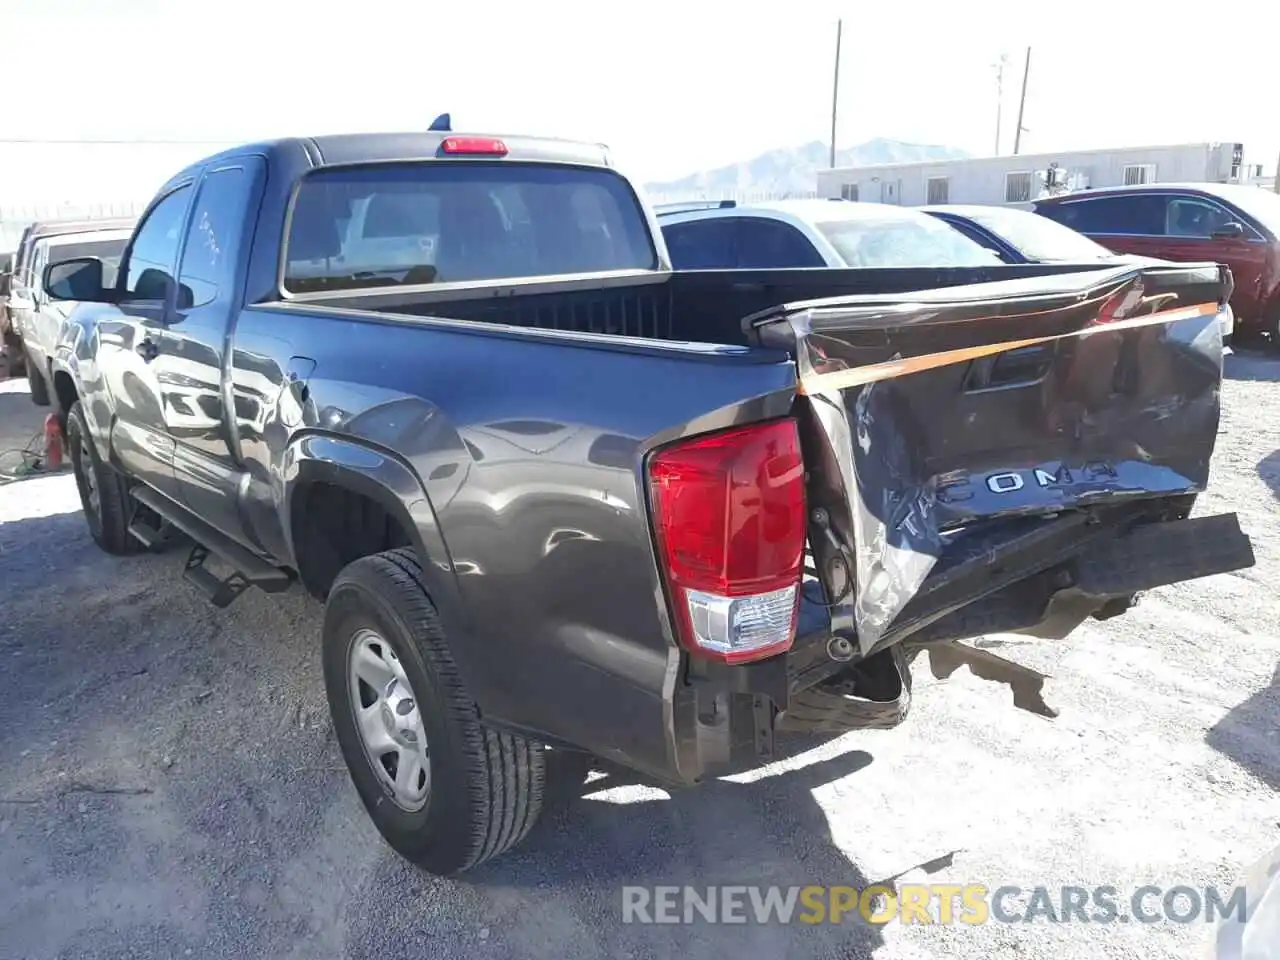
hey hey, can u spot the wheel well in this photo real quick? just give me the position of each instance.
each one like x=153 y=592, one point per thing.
x=333 y=525
x=64 y=389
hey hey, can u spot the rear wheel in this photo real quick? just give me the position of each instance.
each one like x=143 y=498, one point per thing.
x=104 y=492
x=444 y=790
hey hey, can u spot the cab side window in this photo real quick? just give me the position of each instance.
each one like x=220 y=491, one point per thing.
x=154 y=253
x=212 y=247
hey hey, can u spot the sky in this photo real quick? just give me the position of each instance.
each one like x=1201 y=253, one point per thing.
x=672 y=87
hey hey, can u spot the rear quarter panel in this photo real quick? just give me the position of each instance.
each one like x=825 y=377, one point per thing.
x=528 y=448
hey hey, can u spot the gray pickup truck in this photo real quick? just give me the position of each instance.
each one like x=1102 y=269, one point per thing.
x=561 y=501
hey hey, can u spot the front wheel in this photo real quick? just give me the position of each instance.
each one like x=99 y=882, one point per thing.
x=104 y=493
x=445 y=791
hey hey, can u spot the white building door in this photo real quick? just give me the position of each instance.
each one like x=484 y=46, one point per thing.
x=890 y=191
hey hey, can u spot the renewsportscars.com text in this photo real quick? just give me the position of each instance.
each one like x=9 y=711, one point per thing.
x=936 y=903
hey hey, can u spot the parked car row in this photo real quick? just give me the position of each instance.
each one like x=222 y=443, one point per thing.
x=1224 y=223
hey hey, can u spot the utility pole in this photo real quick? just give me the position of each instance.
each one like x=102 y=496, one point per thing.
x=1022 y=103
x=835 y=91
x=1004 y=59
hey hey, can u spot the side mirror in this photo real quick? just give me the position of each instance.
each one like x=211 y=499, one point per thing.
x=20 y=302
x=1229 y=231
x=78 y=279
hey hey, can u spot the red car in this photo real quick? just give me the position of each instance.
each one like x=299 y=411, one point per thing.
x=1220 y=222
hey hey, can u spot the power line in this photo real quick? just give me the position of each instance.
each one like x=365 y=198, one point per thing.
x=4 y=140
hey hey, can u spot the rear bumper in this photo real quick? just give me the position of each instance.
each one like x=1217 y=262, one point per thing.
x=726 y=717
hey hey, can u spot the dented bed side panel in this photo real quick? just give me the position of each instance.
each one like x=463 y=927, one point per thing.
x=929 y=416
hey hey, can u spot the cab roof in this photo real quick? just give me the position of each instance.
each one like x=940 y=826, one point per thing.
x=296 y=155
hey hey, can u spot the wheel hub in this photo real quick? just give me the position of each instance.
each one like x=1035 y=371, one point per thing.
x=388 y=721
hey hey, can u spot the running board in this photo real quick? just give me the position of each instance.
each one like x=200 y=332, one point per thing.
x=248 y=569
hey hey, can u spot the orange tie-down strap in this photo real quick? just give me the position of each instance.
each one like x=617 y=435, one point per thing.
x=871 y=373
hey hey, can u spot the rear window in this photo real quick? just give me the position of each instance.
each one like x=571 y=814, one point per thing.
x=904 y=241
x=445 y=222
x=1039 y=238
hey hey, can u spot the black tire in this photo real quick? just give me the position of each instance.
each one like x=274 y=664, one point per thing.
x=36 y=383
x=109 y=519
x=486 y=788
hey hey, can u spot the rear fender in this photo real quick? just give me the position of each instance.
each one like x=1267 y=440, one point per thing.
x=384 y=478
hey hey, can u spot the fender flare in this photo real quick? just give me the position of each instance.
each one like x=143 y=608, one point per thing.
x=98 y=415
x=387 y=480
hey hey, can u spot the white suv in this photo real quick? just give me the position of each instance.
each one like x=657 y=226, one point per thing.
x=812 y=233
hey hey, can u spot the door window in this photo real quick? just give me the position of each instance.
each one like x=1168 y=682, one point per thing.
x=212 y=247
x=1124 y=214
x=770 y=244
x=1194 y=217
x=700 y=244
x=155 y=249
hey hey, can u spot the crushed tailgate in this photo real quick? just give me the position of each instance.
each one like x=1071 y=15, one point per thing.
x=945 y=424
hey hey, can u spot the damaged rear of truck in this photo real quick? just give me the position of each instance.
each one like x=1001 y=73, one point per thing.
x=1008 y=457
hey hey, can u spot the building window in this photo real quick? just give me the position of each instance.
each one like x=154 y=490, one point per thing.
x=848 y=191
x=937 y=190
x=1017 y=187
x=1136 y=173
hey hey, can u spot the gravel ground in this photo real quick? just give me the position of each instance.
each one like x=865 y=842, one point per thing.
x=170 y=786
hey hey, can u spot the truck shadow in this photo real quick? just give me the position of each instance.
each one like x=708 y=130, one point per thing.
x=1269 y=472
x=619 y=832
x=30 y=547
x=171 y=784
x=1247 y=734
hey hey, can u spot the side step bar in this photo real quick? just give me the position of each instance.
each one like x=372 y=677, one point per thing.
x=248 y=569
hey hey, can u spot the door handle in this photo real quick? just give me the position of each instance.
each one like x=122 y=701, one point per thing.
x=148 y=349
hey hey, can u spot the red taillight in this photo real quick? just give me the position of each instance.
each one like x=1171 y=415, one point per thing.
x=1112 y=307
x=490 y=146
x=729 y=513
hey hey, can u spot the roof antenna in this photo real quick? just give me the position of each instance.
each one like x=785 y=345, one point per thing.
x=442 y=122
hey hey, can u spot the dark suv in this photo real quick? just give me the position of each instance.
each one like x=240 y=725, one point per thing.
x=1227 y=223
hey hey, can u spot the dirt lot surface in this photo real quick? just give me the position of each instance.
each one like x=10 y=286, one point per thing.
x=170 y=786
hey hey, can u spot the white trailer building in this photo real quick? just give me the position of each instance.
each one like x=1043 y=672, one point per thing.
x=1019 y=179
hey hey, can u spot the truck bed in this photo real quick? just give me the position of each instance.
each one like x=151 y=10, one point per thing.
x=706 y=306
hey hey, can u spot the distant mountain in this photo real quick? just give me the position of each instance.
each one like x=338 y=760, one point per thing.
x=793 y=171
